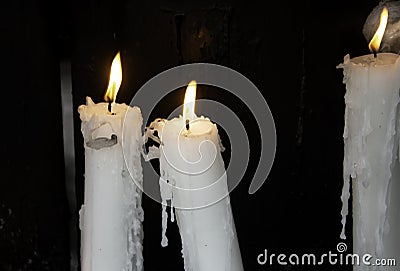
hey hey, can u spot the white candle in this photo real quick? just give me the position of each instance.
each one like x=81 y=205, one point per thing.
x=111 y=217
x=371 y=146
x=193 y=178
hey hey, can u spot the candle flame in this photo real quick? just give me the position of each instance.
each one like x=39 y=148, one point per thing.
x=375 y=42
x=115 y=79
x=189 y=102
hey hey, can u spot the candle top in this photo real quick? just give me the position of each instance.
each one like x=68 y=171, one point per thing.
x=199 y=126
x=99 y=123
x=382 y=59
x=87 y=111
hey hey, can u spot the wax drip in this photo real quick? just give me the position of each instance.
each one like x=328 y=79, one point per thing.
x=172 y=214
x=133 y=180
x=156 y=126
x=165 y=188
x=166 y=195
x=164 y=225
x=353 y=164
x=172 y=182
x=346 y=180
x=164 y=215
x=390 y=146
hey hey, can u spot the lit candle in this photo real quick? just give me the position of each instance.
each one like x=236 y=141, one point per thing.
x=111 y=217
x=194 y=181
x=371 y=160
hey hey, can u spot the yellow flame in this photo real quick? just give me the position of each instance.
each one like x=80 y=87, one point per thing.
x=189 y=102
x=375 y=42
x=115 y=79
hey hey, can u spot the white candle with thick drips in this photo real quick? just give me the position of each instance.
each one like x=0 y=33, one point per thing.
x=371 y=154
x=194 y=180
x=111 y=217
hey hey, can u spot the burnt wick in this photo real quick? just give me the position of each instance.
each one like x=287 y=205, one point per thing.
x=109 y=108
x=187 y=124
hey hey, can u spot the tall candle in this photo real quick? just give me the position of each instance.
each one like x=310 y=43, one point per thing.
x=111 y=217
x=371 y=155
x=194 y=180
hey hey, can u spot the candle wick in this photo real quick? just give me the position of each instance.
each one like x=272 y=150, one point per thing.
x=187 y=125
x=375 y=53
x=110 y=100
x=110 y=108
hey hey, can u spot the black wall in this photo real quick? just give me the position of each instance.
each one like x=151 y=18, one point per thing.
x=288 y=50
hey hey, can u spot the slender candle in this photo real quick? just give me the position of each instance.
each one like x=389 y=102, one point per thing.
x=111 y=217
x=194 y=180
x=371 y=160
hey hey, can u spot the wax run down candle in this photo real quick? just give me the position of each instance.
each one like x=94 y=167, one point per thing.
x=194 y=182
x=371 y=155
x=111 y=217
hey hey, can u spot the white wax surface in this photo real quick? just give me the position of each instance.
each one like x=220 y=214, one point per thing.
x=111 y=217
x=192 y=164
x=371 y=138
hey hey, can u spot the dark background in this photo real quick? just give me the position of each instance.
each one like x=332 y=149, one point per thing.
x=288 y=50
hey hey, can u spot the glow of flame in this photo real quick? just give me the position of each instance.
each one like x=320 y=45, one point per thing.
x=375 y=42
x=189 y=102
x=115 y=79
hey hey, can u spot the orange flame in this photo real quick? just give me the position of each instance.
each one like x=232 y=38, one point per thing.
x=189 y=102
x=376 y=40
x=115 y=79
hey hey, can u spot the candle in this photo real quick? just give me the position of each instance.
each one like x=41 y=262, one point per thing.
x=371 y=155
x=111 y=217
x=193 y=180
